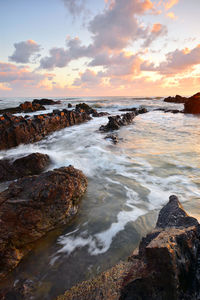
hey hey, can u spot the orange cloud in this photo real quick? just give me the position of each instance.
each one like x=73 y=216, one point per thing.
x=170 y=3
x=156 y=27
x=171 y=15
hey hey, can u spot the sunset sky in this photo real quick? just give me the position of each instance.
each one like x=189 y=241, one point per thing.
x=99 y=48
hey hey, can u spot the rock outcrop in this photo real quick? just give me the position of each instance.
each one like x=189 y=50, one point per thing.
x=45 y=101
x=192 y=106
x=137 y=111
x=83 y=107
x=32 y=164
x=176 y=99
x=25 y=107
x=21 y=130
x=115 y=122
x=166 y=265
x=34 y=205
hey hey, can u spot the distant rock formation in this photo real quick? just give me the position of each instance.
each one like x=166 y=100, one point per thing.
x=21 y=130
x=45 y=101
x=137 y=111
x=34 y=205
x=176 y=99
x=192 y=106
x=166 y=265
x=32 y=164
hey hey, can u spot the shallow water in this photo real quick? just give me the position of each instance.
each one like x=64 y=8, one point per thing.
x=128 y=183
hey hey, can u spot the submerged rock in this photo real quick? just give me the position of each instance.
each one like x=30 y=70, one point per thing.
x=23 y=108
x=176 y=99
x=166 y=266
x=32 y=164
x=115 y=122
x=113 y=137
x=34 y=205
x=192 y=106
x=45 y=101
x=69 y=105
x=20 y=130
x=137 y=111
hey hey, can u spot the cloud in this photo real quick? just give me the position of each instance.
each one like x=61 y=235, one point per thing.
x=75 y=7
x=176 y=62
x=170 y=3
x=171 y=15
x=24 y=51
x=88 y=79
x=157 y=30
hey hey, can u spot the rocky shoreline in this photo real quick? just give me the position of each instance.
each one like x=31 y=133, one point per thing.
x=165 y=266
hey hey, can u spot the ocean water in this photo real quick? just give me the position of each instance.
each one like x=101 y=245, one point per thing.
x=128 y=183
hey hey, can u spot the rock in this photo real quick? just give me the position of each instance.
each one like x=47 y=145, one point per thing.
x=167 y=265
x=45 y=101
x=32 y=164
x=173 y=111
x=176 y=99
x=115 y=122
x=69 y=105
x=19 y=130
x=23 y=108
x=84 y=107
x=113 y=137
x=192 y=106
x=34 y=205
x=99 y=114
x=137 y=111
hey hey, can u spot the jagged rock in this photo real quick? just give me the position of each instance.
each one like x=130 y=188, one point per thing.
x=192 y=106
x=115 y=122
x=176 y=99
x=32 y=164
x=19 y=130
x=23 y=108
x=83 y=107
x=45 y=101
x=34 y=205
x=99 y=114
x=167 y=265
x=137 y=111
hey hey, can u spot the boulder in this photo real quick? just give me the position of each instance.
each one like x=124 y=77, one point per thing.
x=23 y=108
x=69 y=105
x=192 y=106
x=45 y=101
x=166 y=265
x=20 y=130
x=83 y=107
x=34 y=205
x=176 y=99
x=32 y=164
x=137 y=111
x=115 y=122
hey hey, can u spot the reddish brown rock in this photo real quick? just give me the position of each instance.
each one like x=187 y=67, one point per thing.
x=21 y=130
x=45 y=101
x=34 y=205
x=32 y=164
x=166 y=266
x=23 y=108
x=115 y=122
x=192 y=106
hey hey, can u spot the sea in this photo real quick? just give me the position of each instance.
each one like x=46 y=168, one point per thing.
x=128 y=183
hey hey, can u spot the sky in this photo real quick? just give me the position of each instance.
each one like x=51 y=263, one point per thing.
x=69 y=48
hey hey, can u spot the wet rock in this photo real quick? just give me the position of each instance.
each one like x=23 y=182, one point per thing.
x=34 y=205
x=32 y=164
x=176 y=99
x=23 y=108
x=137 y=111
x=85 y=107
x=69 y=105
x=115 y=122
x=99 y=114
x=192 y=106
x=167 y=265
x=45 y=101
x=173 y=111
x=113 y=137
x=19 y=130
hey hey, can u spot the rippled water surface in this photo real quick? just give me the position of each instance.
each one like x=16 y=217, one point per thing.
x=158 y=155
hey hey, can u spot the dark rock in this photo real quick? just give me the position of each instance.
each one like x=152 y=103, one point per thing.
x=19 y=130
x=113 y=137
x=99 y=114
x=173 y=111
x=23 y=108
x=193 y=105
x=115 y=122
x=45 y=101
x=69 y=105
x=34 y=205
x=176 y=99
x=32 y=164
x=137 y=111
x=166 y=267
x=85 y=107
